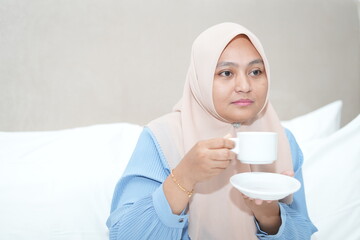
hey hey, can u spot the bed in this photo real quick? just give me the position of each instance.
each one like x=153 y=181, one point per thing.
x=59 y=184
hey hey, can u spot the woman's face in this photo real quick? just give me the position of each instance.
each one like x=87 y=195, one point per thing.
x=240 y=83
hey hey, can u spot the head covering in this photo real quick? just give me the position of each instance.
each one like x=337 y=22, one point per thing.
x=216 y=209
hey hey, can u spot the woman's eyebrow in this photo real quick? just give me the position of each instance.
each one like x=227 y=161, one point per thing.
x=232 y=64
x=256 y=61
x=227 y=64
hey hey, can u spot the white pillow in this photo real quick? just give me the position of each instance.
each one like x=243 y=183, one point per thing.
x=332 y=177
x=58 y=185
x=316 y=124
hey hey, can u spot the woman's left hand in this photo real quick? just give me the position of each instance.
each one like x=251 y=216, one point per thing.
x=266 y=212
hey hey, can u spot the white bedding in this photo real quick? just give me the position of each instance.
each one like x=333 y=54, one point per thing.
x=58 y=185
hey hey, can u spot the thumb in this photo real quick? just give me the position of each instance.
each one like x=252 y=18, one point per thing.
x=227 y=135
x=288 y=173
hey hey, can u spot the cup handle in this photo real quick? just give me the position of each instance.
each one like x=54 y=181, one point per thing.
x=236 y=148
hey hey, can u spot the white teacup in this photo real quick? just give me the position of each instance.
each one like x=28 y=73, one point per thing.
x=256 y=147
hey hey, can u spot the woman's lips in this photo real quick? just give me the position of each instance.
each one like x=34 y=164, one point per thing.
x=243 y=102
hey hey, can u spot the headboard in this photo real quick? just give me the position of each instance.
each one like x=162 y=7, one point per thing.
x=74 y=63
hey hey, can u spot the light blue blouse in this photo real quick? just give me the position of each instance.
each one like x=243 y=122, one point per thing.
x=140 y=210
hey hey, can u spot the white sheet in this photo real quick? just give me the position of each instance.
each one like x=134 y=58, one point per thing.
x=59 y=185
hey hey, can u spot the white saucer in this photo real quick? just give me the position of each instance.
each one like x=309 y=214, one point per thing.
x=265 y=186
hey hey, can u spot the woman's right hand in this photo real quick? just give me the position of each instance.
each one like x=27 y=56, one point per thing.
x=206 y=159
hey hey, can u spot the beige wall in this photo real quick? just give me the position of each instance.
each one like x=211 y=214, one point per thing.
x=69 y=63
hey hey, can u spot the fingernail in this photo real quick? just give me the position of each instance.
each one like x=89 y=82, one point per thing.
x=227 y=135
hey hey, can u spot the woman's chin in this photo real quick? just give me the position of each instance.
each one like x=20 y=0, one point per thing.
x=243 y=118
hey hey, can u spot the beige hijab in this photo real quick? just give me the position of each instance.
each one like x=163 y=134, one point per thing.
x=216 y=210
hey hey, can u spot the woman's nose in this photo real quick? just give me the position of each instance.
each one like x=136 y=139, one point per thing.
x=242 y=84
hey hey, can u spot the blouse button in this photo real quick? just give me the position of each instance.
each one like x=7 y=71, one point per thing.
x=181 y=220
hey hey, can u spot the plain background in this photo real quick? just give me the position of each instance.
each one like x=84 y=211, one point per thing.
x=71 y=63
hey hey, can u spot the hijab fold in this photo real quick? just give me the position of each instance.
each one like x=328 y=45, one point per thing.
x=216 y=210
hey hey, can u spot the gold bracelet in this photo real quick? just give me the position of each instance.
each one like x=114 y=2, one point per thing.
x=189 y=193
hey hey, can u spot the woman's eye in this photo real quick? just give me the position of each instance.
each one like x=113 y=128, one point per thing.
x=256 y=72
x=225 y=74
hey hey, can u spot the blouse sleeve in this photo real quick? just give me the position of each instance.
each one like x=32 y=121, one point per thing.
x=139 y=207
x=295 y=222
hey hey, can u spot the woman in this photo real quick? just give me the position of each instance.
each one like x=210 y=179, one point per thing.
x=176 y=185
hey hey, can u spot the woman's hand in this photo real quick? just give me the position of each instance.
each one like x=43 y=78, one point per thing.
x=206 y=159
x=267 y=213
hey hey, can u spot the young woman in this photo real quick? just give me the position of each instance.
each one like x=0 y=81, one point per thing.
x=176 y=185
